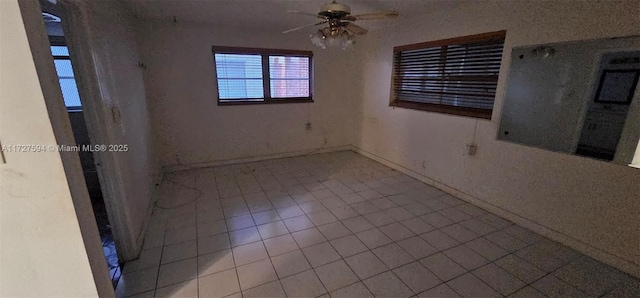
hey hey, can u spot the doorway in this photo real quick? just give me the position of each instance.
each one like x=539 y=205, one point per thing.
x=73 y=103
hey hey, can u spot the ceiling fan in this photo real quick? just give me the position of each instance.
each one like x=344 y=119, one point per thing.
x=341 y=29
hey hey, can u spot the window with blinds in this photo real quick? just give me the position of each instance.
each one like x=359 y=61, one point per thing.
x=454 y=76
x=250 y=75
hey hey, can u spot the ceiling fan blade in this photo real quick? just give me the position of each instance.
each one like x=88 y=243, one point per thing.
x=377 y=15
x=355 y=29
x=305 y=26
x=305 y=13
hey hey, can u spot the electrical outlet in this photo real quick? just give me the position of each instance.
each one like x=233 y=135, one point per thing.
x=472 y=148
x=308 y=126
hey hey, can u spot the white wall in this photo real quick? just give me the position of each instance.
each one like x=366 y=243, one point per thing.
x=101 y=36
x=47 y=238
x=189 y=126
x=592 y=205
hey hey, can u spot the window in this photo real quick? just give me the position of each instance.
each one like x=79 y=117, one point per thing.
x=66 y=77
x=257 y=76
x=453 y=76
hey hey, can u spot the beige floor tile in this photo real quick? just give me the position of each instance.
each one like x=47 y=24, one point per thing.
x=348 y=246
x=357 y=290
x=379 y=219
x=417 y=225
x=383 y=203
x=312 y=207
x=479 y=227
x=486 y=249
x=437 y=220
x=178 y=272
x=441 y=291
x=298 y=223
x=466 y=257
x=272 y=229
x=364 y=208
x=442 y=266
x=290 y=263
x=304 y=284
x=454 y=214
x=460 y=233
x=373 y=238
x=255 y=274
x=244 y=236
x=179 y=251
x=249 y=253
x=270 y=290
x=336 y=275
x=399 y=213
x=506 y=241
x=417 y=247
x=357 y=224
x=387 y=285
x=520 y=268
x=308 y=237
x=322 y=217
x=180 y=235
x=554 y=287
x=320 y=254
x=148 y=258
x=366 y=264
x=212 y=228
x=240 y=222
x=213 y=243
x=265 y=217
x=417 y=277
x=185 y=289
x=439 y=240
x=499 y=279
x=215 y=262
x=279 y=245
x=528 y=292
x=344 y=212
x=393 y=255
x=137 y=282
x=470 y=286
x=220 y=284
x=396 y=231
x=334 y=230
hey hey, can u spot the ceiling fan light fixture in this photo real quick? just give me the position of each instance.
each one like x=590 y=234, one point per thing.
x=326 y=37
x=341 y=30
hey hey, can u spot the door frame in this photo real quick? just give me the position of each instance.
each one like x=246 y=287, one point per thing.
x=77 y=27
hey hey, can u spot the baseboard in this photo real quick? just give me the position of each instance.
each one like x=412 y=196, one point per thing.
x=591 y=251
x=217 y=163
x=155 y=193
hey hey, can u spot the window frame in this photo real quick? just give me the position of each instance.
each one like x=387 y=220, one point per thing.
x=266 y=76
x=60 y=41
x=442 y=108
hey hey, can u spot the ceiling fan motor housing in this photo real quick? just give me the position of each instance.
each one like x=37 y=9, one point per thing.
x=335 y=10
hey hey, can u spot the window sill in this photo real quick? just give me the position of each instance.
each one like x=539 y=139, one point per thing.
x=452 y=110
x=242 y=102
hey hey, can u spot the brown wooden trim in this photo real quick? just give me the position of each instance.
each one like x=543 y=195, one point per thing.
x=259 y=51
x=453 y=110
x=484 y=37
x=243 y=102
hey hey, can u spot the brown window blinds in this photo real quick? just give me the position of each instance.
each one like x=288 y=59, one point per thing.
x=453 y=76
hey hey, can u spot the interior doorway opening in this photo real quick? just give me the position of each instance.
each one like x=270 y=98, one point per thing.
x=67 y=79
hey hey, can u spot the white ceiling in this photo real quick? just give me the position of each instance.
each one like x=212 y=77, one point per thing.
x=272 y=13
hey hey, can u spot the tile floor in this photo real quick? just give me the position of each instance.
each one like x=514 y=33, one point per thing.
x=342 y=225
